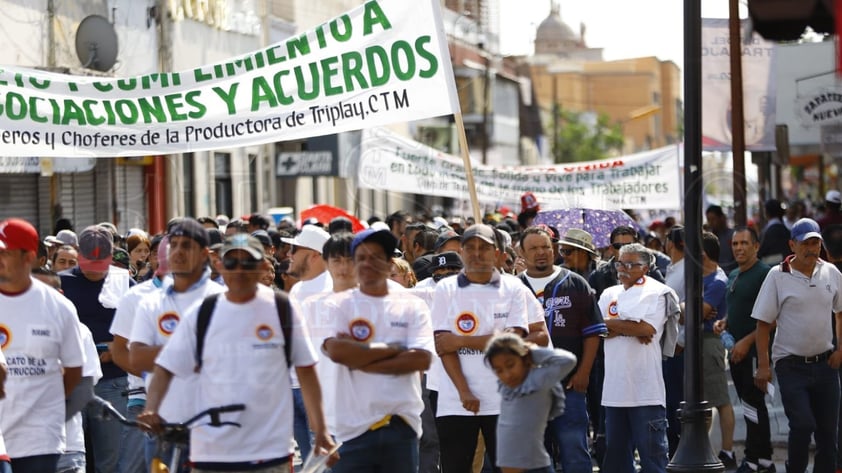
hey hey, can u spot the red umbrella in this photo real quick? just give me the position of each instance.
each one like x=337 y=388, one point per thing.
x=325 y=213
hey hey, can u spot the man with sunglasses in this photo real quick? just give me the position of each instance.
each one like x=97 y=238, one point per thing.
x=159 y=313
x=243 y=362
x=603 y=277
x=641 y=315
x=309 y=267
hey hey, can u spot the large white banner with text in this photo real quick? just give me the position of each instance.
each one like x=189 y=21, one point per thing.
x=640 y=181
x=383 y=62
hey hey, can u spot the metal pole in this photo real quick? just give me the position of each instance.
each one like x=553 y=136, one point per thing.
x=694 y=452
x=485 y=98
x=738 y=142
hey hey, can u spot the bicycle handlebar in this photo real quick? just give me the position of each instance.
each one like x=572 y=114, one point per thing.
x=109 y=411
x=170 y=429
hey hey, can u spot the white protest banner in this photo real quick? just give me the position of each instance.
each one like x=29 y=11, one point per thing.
x=639 y=181
x=383 y=62
x=759 y=89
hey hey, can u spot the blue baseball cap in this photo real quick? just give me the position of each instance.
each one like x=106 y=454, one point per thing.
x=805 y=228
x=383 y=238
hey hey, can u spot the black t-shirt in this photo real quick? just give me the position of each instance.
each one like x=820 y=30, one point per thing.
x=571 y=312
x=84 y=294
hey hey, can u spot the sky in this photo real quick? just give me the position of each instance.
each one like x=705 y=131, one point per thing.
x=623 y=28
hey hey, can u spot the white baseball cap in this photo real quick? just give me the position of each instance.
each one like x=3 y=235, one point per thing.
x=311 y=237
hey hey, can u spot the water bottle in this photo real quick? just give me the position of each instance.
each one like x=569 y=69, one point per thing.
x=727 y=340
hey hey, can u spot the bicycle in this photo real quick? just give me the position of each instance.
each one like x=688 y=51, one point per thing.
x=178 y=434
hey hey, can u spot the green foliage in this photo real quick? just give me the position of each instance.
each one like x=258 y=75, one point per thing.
x=578 y=140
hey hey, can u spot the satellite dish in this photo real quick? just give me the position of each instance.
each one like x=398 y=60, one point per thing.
x=96 y=43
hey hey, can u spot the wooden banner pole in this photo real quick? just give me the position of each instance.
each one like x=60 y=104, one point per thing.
x=469 y=173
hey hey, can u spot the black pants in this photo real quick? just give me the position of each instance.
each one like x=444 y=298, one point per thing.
x=758 y=435
x=458 y=441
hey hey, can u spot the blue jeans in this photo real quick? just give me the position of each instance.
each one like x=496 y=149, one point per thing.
x=570 y=432
x=628 y=428
x=105 y=435
x=5 y=467
x=132 y=446
x=392 y=449
x=34 y=464
x=810 y=395
x=300 y=426
x=71 y=462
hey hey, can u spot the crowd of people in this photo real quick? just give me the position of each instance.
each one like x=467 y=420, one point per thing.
x=418 y=344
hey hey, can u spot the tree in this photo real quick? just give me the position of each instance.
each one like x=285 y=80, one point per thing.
x=578 y=140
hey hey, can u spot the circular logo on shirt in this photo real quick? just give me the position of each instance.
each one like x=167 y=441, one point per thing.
x=265 y=332
x=613 y=312
x=167 y=322
x=361 y=330
x=466 y=323
x=5 y=336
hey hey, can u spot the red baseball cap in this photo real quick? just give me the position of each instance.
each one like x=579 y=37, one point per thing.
x=17 y=234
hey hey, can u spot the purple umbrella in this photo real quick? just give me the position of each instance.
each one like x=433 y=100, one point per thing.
x=599 y=223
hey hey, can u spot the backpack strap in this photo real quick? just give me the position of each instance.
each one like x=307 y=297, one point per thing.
x=285 y=317
x=205 y=312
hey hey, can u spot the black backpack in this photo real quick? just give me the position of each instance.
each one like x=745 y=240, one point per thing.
x=206 y=310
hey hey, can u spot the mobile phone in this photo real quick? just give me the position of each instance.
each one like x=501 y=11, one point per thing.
x=101 y=347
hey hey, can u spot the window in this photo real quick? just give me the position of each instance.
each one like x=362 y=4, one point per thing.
x=222 y=179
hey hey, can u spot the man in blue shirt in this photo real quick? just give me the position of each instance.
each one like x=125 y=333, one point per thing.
x=715 y=307
x=83 y=285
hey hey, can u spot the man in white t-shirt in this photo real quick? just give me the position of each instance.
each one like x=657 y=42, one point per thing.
x=134 y=456
x=242 y=362
x=158 y=314
x=306 y=264
x=471 y=307
x=636 y=312
x=382 y=340
x=39 y=335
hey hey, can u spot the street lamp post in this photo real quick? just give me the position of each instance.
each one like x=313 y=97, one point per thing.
x=694 y=453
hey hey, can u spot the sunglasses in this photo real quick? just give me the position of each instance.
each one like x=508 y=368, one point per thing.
x=617 y=246
x=246 y=264
x=628 y=266
x=567 y=251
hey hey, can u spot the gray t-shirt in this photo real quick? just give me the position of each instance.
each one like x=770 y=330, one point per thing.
x=803 y=307
x=526 y=409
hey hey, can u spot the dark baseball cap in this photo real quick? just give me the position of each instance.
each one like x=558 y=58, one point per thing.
x=445 y=237
x=448 y=259
x=383 y=238
x=190 y=228
x=481 y=231
x=242 y=241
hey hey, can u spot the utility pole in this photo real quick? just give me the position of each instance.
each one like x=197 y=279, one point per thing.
x=738 y=142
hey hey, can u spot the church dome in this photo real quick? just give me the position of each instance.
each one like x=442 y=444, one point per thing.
x=554 y=36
